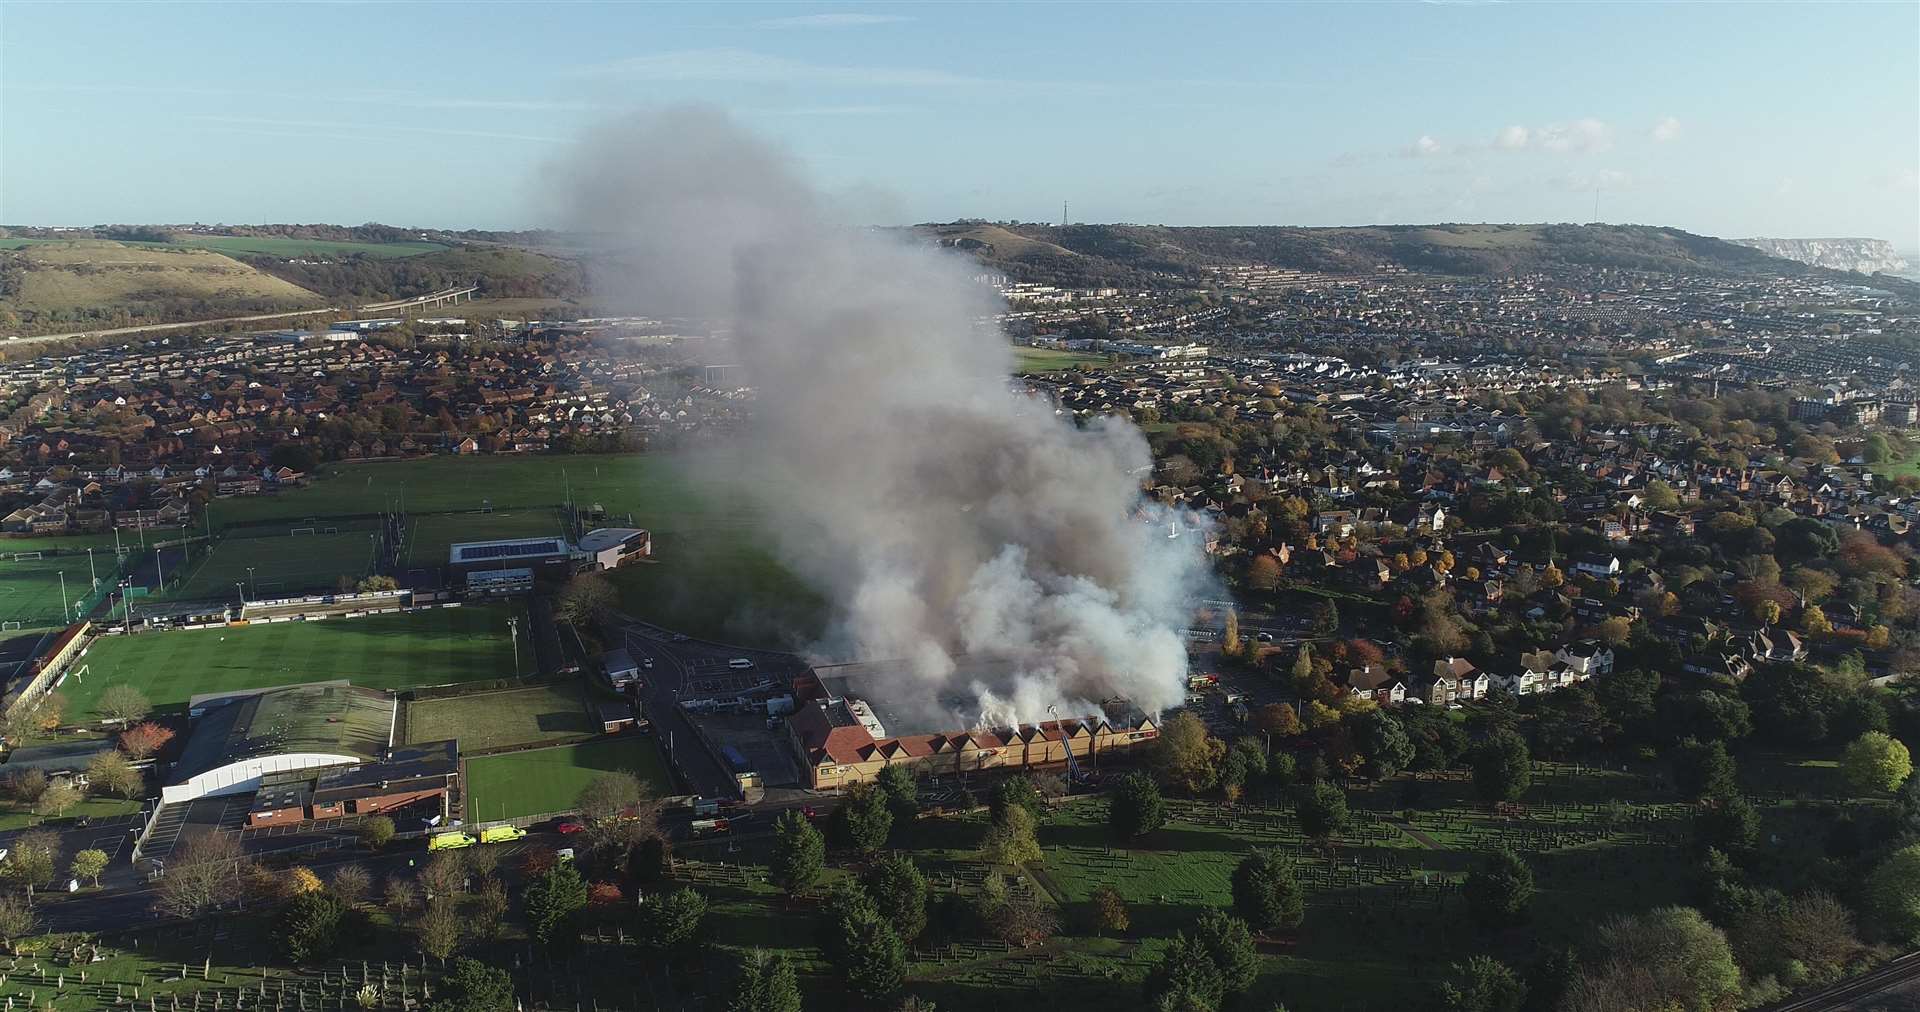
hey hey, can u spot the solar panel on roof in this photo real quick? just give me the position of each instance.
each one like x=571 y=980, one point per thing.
x=509 y=551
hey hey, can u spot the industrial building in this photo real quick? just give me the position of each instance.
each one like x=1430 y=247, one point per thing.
x=544 y=556
x=843 y=738
x=405 y=776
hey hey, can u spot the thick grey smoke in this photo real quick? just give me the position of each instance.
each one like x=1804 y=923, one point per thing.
x=953 y=522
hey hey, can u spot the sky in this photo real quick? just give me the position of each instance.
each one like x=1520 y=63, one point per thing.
x=1725 y=119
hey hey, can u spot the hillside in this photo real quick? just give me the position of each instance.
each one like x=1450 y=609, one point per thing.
x=1126 y=254
x=54 y=286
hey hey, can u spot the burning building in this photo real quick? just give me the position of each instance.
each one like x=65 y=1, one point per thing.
x=844 y=736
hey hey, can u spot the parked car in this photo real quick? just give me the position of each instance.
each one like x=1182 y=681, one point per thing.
x=568 y=827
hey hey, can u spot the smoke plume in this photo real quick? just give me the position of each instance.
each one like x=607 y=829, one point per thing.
x=1002 y=555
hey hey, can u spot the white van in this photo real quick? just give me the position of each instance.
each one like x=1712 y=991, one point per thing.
x=740 y=664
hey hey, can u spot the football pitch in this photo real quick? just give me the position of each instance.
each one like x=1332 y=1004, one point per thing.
x=30 y=588
x=494 y=719
x=431 y=647
x=432 y=535
x=549 y=779
x=278 y=566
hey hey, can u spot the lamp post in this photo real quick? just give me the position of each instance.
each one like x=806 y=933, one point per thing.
x=92 y=571
x=64 y=606
x=252 y=584
x=242 y=588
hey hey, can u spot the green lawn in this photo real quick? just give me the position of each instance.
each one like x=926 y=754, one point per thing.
x=30 y=588
x=723 y=585
x=429 y=647
x=433 y=534
x=281 y=566
x=1052 y=360
x=549 y=779
x=12 y=817
x=493 y=719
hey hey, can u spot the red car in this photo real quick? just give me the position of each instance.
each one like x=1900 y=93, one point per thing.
x=568 y=828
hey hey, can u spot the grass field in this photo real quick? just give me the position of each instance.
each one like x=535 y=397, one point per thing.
x=432 y=647
x=549 y=779
x=715 y=575
x=433 y=534
x=30 y=588
x=280 y=565
x=85 y=275
x=13 y=817
x=1051 y=360
x=490 y=720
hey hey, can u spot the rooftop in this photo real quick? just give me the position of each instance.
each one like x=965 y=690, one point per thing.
x=326 y=718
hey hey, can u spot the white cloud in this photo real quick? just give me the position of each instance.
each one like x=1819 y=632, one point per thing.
x=1513 y=138
x=1666 y=129
x=832 y=21
x=1423 y=147
x=741 y=66
x=1581 y=135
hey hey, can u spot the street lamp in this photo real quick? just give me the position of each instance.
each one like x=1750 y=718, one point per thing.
x=242 y=588
x=253 y=584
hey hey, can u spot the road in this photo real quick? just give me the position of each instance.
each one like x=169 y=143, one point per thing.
x=150 y=327
x=1892 y=986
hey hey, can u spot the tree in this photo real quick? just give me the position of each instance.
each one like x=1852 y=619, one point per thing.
x=26 y=786
x=1136 y=808
x=58 y=799
x=862 y=822
x=1186 y=977
x=1482 y=984
x=301 y=881
x=33 y=858
x=376 y=831
x=201 y=875
x=1659 y=495
x=17 y=920
x=1277 y=719
x=672 y=921
x=1502 y=768
x=1614 y=631
x=1729 y=824
x=473 y=986
x=1321 y=809
x=553 y=902
x=400 y=895
x=1014 y=790
x=1893 y=893
x=1875 y=763
x=1229 y=944
x=1187 y=756
x=375 y=584
x=1245 y=765
x=1500 y=891
x=352 y=883
x=444 y=875
x=585 y=598
x=1266 y=891
x=1385 y=744
x=799 y=853
x=122 y=702
x=1011 y=840
x=113 y=773
x=89 y=864
x=145 y=739
x=1669 y=957
x=899 y=893
x=1109 y=910
x=617 y=811
x=902 y=792
x=874 y=958
x=1704 y=769
x=487 y=908
x=1230 y=643
x=310 y=926
x=766 y=984
x=439 y=928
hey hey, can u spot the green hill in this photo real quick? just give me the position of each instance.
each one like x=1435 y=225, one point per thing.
x=1148 y=254
x=52 y=286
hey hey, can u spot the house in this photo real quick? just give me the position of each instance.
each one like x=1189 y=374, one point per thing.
x=1589 y=658
x=1598 y=566
x=1374 y=682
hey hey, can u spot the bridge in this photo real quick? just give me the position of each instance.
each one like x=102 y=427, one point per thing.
x=442 y=297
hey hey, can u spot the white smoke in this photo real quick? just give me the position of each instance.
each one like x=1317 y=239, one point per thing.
x=954 y=523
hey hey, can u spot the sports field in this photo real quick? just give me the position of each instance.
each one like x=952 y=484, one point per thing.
x=30 y=588
x=283 y=565
x=549 y=779
x=1053 y=360
x=430 y=647
x=490 y=720
x=433 y=534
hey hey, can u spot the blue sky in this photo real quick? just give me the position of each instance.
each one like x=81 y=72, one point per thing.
x=1727 y=119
